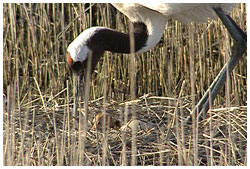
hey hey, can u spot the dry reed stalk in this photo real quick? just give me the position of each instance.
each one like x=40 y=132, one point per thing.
x=133 y=93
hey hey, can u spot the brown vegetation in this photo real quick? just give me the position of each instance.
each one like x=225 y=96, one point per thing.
x=40 y=128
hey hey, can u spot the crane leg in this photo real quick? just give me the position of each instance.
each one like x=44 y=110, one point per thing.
x=238 y=49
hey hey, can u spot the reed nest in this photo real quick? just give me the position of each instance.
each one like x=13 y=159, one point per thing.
x=52 y=137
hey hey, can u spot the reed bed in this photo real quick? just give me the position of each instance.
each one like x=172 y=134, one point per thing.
x=40 y=127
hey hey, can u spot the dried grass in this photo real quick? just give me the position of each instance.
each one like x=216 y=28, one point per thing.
x=40 y=127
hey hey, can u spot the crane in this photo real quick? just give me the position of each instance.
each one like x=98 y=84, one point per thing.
x=149 y=20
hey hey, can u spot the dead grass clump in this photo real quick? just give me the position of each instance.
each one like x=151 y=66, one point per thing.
x=168 y=141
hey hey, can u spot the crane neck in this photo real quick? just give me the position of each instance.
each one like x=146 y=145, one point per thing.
x=118 y=42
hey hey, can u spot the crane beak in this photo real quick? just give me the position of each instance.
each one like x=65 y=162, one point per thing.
x=78 y=74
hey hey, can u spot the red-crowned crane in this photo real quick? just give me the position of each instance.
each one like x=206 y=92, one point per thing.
x=148 y=25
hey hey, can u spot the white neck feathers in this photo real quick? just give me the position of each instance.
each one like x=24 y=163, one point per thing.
x=154 y=21
x=78 y=49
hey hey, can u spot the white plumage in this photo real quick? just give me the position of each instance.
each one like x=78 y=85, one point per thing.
x=198 y=12
x=78 y=49
x=155 y=16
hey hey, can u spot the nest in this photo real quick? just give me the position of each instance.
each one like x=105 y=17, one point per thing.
x=151 y=132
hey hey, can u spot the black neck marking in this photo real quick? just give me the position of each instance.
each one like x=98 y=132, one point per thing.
x=114 y=41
